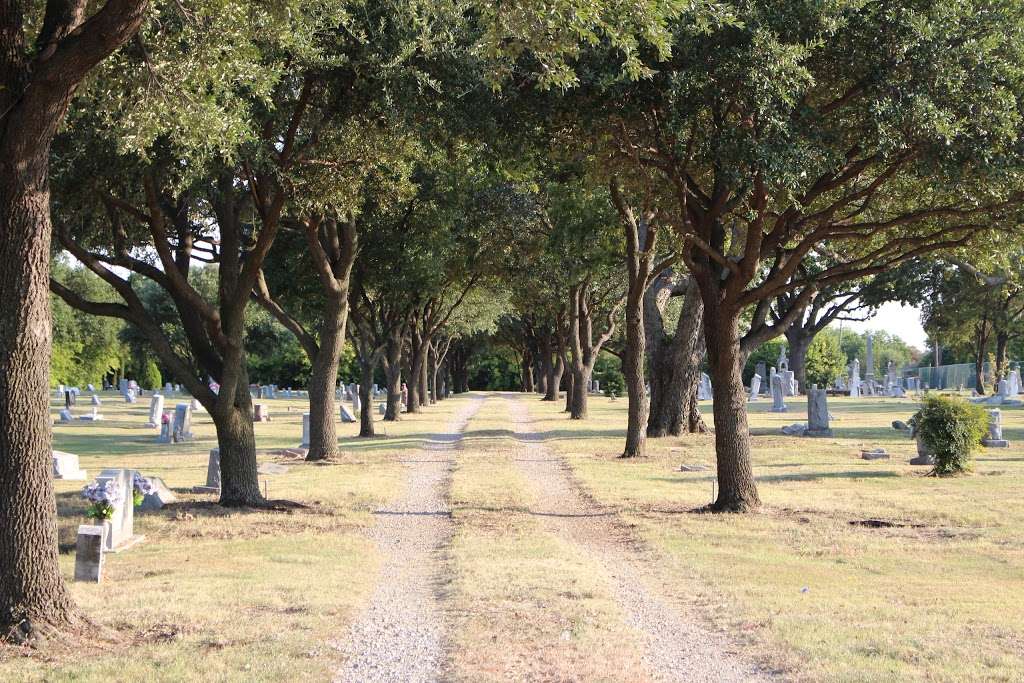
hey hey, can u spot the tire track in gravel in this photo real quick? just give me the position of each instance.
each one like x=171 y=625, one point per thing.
x=400 y=635
x=677 y=646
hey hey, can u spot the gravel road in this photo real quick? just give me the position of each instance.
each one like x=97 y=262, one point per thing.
x=400 y=637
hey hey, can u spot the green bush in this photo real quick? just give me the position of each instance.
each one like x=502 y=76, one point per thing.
x=150 y=378
x=952 y=430
x=613 y=384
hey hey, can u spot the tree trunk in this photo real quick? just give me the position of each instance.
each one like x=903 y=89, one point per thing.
x=240 y=484
x=417 y=361
x=1002 y=342
x=677 y=410
x=579 y=394
x=799 y=340
x=981 y=344
x=366 y=398
x=526 y=370
x=555 y=371
x=737 y=491
x=633 y=369
x=431 y=373
x=393 y=377
x=323 y=378
x=31 y=586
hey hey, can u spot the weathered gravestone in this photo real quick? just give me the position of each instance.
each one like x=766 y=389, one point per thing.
x=66 y=416
x=129 y=396
x=346 y=414
x=995 y=430
x=855 y=379
x=778 y=402
x=212 y=474
x=181 y=429
x=168 y=389
x=89 y=548
x=874 y=454
x=817 y=412
x=924 y=454
x=704 y=389
x=260 y=413
x=305 y=430
x=65 y=466
x=156 y=411
x=755 y=387
x=96 y=400
x=161 y=495
x=789 y=383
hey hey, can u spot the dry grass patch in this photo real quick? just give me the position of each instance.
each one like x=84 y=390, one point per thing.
x=226 y=594
x=523 y=603
x=934 y=592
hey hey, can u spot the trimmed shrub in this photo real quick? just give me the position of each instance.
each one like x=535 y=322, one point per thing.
x=952 y=430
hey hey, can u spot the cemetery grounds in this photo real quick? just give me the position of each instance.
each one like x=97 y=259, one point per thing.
x=855 y=570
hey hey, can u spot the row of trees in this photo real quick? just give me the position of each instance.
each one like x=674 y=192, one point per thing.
x=701 y=178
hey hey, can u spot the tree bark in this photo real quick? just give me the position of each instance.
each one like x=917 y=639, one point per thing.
x=36 y=87
x=236 y=441
x=1002 y=342
x=365 y=416
x=675 y=370
x=799 y=342
x=323 y=380
x=737 y=491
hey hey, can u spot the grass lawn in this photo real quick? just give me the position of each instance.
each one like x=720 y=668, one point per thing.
x=939 y=595
x=231 y=595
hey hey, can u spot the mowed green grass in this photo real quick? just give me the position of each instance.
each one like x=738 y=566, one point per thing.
x=937 y=596
x=227 y=595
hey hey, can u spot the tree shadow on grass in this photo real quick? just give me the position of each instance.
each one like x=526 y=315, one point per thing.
x=796 y=476
x=573 y=434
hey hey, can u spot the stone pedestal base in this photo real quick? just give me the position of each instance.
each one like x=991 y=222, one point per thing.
x=995 y=443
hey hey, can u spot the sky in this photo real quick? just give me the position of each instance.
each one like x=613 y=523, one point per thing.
x=892 y=317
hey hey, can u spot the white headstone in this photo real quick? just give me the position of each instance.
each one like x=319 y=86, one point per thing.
x=156 y=411
x=305 y=430
x=346 y=414
x=995 y=430
x=65 y=466
x=755 y=387
x=122 y=523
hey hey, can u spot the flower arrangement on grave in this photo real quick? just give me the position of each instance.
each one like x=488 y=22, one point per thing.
x=103 y=498
x=141 y=487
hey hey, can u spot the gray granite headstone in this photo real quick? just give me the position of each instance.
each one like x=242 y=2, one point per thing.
x=778 y=402
x=817 y=412
x=260 y=413
x=995 y=430
x=212 y=474
x=181 y=429
x=122 y=523
x=755 y=387
x=305 y=430
x=89 y=547
x=161 y=495
x=346 y=414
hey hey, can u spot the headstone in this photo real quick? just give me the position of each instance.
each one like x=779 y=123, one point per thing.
x=129 y=396
x=761 y=370
x=94 y=416
x=91 y=387
x=817 y=412
x=900 y=426
x=1004 y=388
x=305 y=430
x=995 y=430
x=122 y=386
x=260 y=413
x=1013 y=383
x=755 y=387
x=789 y=384
x=69 y=398
x=869 y=363
x=66 y=416
x=156 y=411
x=874 y=454
x=160 y=496
x=382 y=408
x=96 y=400
x=346 y=414
x=597 y=387
x=122 y=523
x=778 y=404
x=181 y=429
x=168 y=389
x=65 y=466
x=165 y=430
x=782 y=362
x=705 y=391
x=357 y=404
x=89 y=548
x=855 y=379
x=796 y=429
x=212 y=474
x=197 y=407
x=924 y=455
